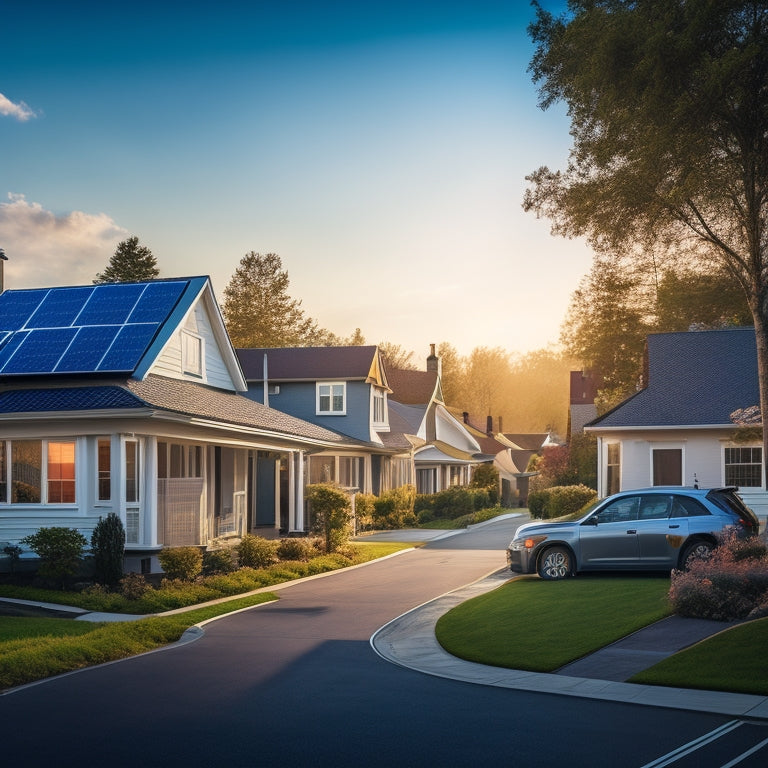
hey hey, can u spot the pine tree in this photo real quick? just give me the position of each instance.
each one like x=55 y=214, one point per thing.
x=130 y=263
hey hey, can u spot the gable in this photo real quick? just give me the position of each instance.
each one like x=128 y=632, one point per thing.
x=695 y=379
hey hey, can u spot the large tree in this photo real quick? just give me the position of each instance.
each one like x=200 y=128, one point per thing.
x=259 y=312
x=668 y=102
x=130 y=263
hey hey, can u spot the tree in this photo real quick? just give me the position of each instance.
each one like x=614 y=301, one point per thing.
x=396 y=357
x=668 y=103
x=130 y=263
x=259 y=312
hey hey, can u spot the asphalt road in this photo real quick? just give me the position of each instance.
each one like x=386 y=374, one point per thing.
x=296 y=683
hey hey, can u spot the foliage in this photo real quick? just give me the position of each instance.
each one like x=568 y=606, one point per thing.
x=256 y=551
x=486 y=477
x=730 y=584
x=396 y=357
x=108 y=548
x=133 y=586
x=559 y=501
x=394 y=508
x=218 y=561
x=364 y=506
x=681 y=82
x=258 y=310
x=60 y=551
x=183 y=563
x=331 y=514
x=582 y=458
x=297 y=549
x=130 y=263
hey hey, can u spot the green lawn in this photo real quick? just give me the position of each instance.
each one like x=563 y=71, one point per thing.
x=541 y=625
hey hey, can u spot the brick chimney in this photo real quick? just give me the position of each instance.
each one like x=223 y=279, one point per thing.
x=489 y=426
x=432 y=360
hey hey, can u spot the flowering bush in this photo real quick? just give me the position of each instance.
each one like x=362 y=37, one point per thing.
x=730 y=584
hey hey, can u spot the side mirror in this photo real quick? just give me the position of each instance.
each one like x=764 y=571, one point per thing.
x=591 y=520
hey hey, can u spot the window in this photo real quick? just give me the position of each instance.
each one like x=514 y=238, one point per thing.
x=131 y=471
x=37 y=472
x=179 y=460
x=104 y=459
x=379 y=400
x=331 y=398
x=322 y=469
x=351 y=472
x=744 y=467
x=191 y=354
x=667 y=466
x=61 y=473
x=612 y=469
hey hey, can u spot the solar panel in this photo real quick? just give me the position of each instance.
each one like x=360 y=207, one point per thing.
x=83 y=329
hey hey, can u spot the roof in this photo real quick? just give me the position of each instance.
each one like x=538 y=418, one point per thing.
x=412 y=387
x=530 y=441
x=406 y=418
x=172 y=396
x=695 y=378
x=312 y=363
x=106 y=329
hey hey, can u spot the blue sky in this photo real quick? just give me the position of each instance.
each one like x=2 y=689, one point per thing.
x=379 y=148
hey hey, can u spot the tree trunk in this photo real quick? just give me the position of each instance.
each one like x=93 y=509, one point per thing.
x=761 y=339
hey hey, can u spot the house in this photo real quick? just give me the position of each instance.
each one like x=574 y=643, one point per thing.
x=128 y=398
x=343 y=389
x=680 y=429
x=447 y=452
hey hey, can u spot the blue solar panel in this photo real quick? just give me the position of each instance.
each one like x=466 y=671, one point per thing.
x=85 y=329
x=129 y=345
x=110 y=304
x=87 y=349
x=40 y=350
x=156 y=302
x=17 y=306
x=59 y=308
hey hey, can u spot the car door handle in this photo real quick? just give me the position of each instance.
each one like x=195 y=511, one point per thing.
x=674 y=526
x=632 y=530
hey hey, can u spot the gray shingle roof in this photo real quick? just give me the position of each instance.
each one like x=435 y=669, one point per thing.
x=307 y=363
x=696 y=378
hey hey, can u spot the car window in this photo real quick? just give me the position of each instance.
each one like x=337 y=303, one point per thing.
x=728 y=501
x=619 y=510
x=655 y=507
x=684 y=506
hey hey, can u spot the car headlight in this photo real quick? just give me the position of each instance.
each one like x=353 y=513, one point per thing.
x=527 y=542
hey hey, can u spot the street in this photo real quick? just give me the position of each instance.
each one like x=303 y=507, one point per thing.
x=296 y=683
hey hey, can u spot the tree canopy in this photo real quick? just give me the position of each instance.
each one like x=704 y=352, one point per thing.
x=668 y=103
x=259 y=312
x=130 y=263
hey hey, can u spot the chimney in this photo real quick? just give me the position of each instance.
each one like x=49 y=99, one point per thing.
x=465 y=415
x=432 y=360
x=3 y=258
x=489 y=426
x=501 y=428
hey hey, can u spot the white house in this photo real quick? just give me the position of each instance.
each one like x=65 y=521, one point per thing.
x=679 y=429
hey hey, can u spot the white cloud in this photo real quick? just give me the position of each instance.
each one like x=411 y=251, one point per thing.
x=20 y=111
x=47 y=249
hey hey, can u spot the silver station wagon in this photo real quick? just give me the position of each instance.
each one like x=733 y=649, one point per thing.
x=646 y=529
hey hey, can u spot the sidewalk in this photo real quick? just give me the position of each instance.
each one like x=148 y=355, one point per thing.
x=409 y=641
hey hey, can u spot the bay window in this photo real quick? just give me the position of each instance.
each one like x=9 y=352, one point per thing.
x=37 y=472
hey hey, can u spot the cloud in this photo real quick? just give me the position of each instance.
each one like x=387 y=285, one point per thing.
x=20 y=111
x=46 y=249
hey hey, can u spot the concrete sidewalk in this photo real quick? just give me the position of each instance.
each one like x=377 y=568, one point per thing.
x=409 y=641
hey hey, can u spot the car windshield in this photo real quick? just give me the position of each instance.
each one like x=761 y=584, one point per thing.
x=726 y=499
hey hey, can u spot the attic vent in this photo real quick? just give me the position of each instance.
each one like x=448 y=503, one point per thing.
x=273 y=389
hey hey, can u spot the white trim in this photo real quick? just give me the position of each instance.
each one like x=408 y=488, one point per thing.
x=331 y=385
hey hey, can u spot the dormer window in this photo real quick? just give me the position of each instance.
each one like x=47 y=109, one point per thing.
x=379 y=406
x=191 y=354
x=332 y=398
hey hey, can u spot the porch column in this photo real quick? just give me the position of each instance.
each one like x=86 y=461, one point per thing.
x=150 y=497
x=297 y=509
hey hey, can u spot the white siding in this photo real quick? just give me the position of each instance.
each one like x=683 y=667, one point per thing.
x=169 y=362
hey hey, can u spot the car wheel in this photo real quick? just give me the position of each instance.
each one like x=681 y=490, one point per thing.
x=696 y=550
x=555 y=563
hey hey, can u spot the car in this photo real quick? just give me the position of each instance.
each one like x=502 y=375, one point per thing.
x=658 y=528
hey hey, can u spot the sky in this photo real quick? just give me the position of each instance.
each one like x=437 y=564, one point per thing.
x=380 y=149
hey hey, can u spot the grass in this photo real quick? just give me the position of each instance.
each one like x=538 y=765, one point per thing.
x=733 y=660
x=539 y=626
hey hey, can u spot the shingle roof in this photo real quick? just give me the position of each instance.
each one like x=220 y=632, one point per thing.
x=307 y=363
x=696 y=378
x=529 y=441
x=412 y=387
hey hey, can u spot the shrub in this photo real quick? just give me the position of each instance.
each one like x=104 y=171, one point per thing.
x=486 y=477
x=218 y=561
x=182 y=563
x=560 y=500
x=108 y=546
x=331 y=513
x=424 y=501
x=425 y=516
x=133 y=586
x=296 y=549
x=256 y=551
x=364 y=505
x=454 y=502
x=394 y=509
x=730 y=584
x=60 y=551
